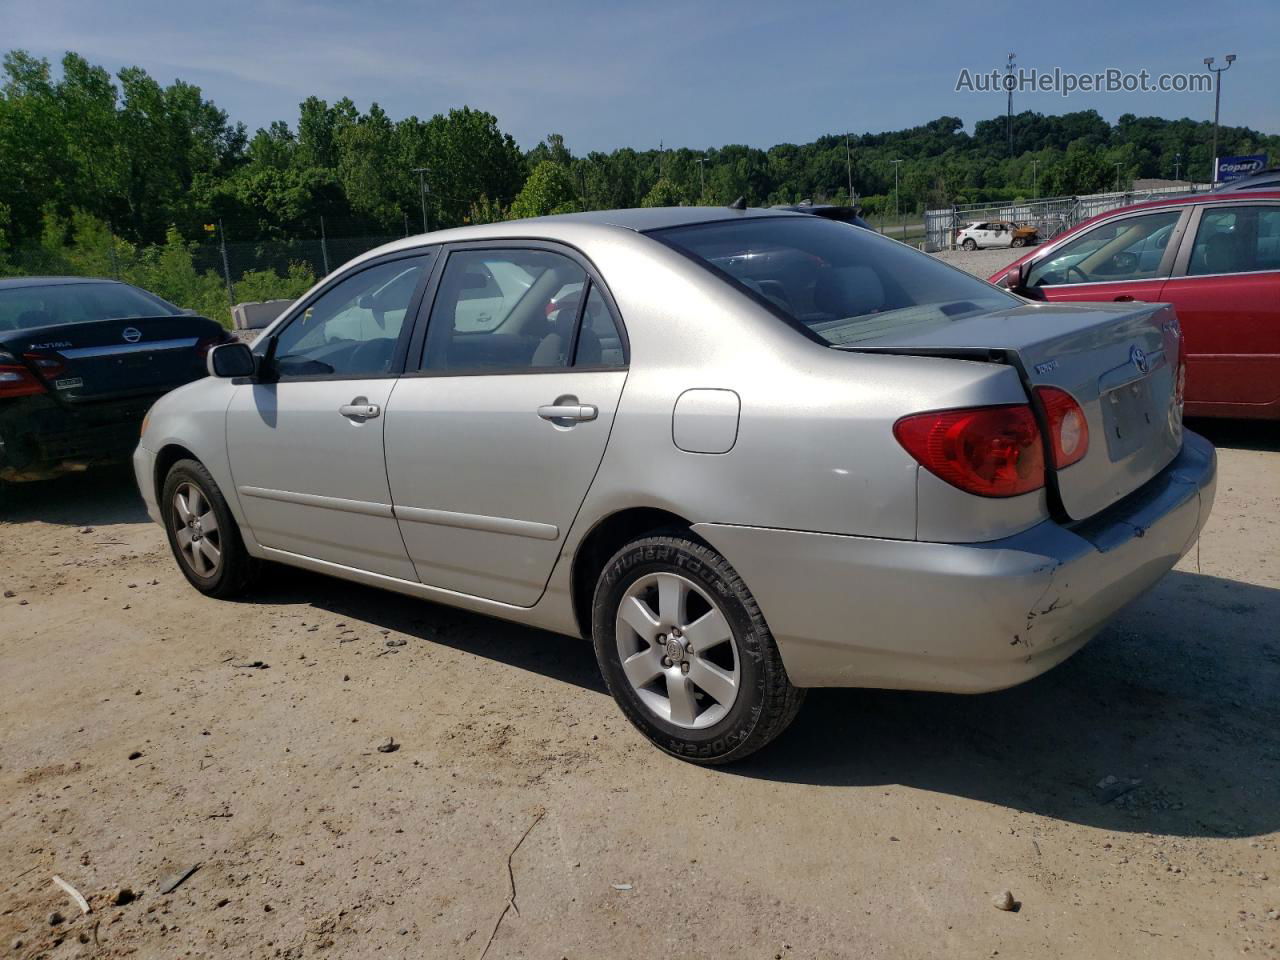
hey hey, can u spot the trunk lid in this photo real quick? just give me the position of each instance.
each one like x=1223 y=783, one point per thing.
x=1119 y=361
x=97 y=360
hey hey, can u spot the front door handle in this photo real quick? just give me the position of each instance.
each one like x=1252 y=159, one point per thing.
x=360 y=409
x=568 y=411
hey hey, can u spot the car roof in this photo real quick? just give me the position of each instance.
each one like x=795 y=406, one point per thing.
x=1181 y=199
x=9 y=283
x=642 y=219
x=1254 y=181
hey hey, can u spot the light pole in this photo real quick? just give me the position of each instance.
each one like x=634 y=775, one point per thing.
x=422 y=193
x=1035 y=184
x=1119 y=164
x=896 y=214
x=1217 y=103
x=702 y=179
x=1009 y=86
x=848 y=165
x=1177 y=166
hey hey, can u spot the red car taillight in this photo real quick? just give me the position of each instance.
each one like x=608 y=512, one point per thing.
x=990 y=451
x=1068 y=430
x=15 y=379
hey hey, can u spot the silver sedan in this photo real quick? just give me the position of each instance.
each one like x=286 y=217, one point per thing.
x=743 y=453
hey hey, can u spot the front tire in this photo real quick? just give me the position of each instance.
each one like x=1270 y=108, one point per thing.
x=970 y=244
x=202 y=533
x=687 y=654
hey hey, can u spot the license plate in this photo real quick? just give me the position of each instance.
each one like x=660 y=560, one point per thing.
x=1126 y=414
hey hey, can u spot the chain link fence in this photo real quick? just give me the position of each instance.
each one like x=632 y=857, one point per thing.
x=1050 y=216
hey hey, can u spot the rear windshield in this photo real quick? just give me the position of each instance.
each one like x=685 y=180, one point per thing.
x=842 y=284
x=23 y=308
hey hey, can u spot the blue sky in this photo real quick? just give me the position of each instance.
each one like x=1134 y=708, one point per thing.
x=688 y=73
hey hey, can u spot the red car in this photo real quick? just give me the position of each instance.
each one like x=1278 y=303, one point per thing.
x=1215 y=257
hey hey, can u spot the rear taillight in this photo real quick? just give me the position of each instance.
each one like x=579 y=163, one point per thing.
x=990 y=451
x=16 y=380
x=1180 y=385
x=1068 y=430
x=48 y=367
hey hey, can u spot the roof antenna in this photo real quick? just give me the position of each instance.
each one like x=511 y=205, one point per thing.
x=739 y=204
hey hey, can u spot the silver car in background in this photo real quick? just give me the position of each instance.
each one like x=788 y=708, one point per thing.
x=743 y=452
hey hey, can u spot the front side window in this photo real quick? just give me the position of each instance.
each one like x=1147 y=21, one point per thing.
x=1127 y=249
x=351 y=329
x=499 y=311
x=1237 y=240
x=841 y=284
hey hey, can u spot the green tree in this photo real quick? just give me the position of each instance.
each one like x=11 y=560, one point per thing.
x=549 y=189
x=664 y=194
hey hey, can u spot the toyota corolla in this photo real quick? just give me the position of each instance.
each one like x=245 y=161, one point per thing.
x=743 y=452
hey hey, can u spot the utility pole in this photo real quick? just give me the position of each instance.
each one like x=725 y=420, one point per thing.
x=1118 y=165
x=702 y=179
x=1217 y=103
x=1177 y=166
x=1008 y=85
x=422 y=193
x=848 y=164
x=896 y=213
x=1035 y=184
x=226 y=267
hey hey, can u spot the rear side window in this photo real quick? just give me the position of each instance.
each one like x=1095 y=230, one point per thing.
x=1237 y=240
x=504 y=311
x=841 y=284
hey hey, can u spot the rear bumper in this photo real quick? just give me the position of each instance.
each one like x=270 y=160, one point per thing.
x=40 y=437
x=965 y=618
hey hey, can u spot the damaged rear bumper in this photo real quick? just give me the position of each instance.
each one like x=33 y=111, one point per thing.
x=965 y=618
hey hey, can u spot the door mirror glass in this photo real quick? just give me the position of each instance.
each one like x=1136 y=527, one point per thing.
x=231 y=360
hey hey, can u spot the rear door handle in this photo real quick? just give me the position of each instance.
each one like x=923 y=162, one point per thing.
x=568 y=411
x=1127 y=298
x=360 y=409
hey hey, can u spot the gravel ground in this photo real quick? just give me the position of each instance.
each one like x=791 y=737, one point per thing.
x=981 y=263
x=1129 y=800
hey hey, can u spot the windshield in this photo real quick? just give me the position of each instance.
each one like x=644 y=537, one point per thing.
x=23 y=308
x=841 y=284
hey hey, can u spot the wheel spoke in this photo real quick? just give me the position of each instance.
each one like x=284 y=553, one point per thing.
x=642 y=667
x=707 y=631
x=195 y=501
x=209 y=550
x=683 y=709
x=718 y=684
x=208 y=522
x=183 y=536
x=672 y=593
x=180 y=504
x=636 y=614
x=197 y=558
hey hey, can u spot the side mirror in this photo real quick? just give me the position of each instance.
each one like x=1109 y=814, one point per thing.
x=231 y=360
x=1015 y=280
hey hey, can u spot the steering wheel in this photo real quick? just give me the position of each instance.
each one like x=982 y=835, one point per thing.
x=1084 y=277
x=1125 y=262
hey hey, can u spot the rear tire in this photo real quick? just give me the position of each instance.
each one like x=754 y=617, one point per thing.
x=687 y=654
x=202 y=532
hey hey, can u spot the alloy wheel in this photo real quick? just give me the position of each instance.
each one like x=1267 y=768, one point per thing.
x=196 y=530
x=677 y=650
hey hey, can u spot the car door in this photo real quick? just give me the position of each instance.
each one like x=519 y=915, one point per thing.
x=305 y=441
x=1226 y=289
x=1124 y=258
x=493 y=441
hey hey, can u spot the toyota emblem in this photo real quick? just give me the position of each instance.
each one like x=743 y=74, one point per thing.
x=131 y=334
